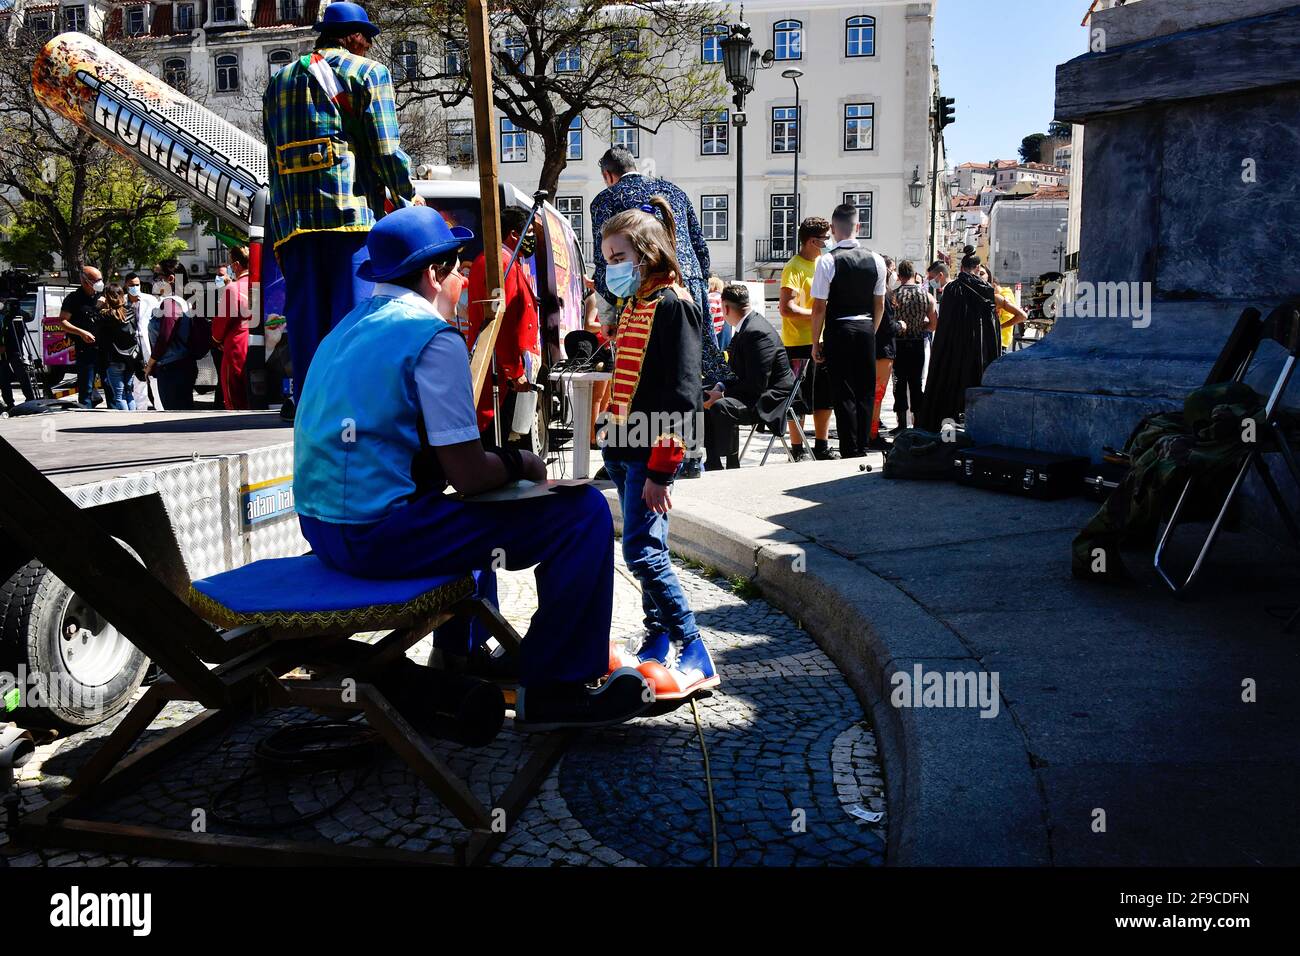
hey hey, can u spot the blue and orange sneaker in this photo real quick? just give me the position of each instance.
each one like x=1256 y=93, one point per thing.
x=654 y=648
x=687 y=671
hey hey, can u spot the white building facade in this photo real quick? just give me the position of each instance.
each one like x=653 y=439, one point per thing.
x=863 y=127
x=1028 y=238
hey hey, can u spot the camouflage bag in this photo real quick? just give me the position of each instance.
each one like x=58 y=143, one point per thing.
x=1204 y=443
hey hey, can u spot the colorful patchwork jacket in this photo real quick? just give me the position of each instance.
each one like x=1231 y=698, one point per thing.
x=330 y=124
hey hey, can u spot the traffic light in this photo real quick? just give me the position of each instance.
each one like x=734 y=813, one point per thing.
x=947 y=112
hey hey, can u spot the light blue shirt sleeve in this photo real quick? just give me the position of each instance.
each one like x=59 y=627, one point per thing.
x=445 y=391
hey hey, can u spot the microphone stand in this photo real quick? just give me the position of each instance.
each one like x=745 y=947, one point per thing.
x=539 y=197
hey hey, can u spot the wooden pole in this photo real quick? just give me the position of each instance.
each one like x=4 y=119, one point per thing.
x=476 y=16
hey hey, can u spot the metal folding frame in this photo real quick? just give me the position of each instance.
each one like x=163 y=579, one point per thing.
x=1282 y=327
x=787 y=413
x=256 y=668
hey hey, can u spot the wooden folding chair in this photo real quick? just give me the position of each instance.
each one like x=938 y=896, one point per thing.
x=252 y=662
x=1283 y=327
x=800 y=368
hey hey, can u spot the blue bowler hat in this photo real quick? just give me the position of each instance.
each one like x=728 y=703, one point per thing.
x=407 y=239
x=338 y=16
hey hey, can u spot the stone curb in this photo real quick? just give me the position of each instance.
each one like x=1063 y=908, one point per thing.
x=961 y=789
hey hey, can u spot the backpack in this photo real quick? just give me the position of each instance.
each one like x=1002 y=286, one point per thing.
x=199 y=342
x=918 y=454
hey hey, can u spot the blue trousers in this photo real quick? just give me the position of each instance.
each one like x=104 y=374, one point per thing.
x=645 y=549
x=87 y=369
x=568 y=535
x=320 y=287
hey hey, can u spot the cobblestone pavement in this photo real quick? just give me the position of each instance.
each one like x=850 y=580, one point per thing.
x=789 y=752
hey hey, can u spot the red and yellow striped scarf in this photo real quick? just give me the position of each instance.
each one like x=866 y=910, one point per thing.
x=633 y=337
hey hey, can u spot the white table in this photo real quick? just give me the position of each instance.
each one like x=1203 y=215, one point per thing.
x=580 y=401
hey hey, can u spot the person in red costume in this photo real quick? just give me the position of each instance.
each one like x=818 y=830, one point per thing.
x=230 y=332
x=517 y=358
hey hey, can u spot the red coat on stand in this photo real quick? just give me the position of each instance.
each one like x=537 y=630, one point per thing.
x=518 y=326
x=230 y=332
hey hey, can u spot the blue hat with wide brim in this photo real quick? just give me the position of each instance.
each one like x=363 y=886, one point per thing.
x=346 y=17
x=408 y=239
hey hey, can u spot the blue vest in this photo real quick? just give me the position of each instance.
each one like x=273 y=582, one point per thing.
x=356 y=431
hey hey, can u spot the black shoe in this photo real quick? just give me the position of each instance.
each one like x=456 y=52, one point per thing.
x=896 y=431
x=798 y=452
x=692 y=468
x=829 y=454
x=733 y=461
x=620 y=698
x=288 y=410
x=711 y=465
x=501 y=668
x=879 y=443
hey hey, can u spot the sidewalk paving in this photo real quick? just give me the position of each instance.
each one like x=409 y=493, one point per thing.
x=1122 y=702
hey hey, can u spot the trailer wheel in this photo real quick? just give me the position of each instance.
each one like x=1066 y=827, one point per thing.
x=80 y=669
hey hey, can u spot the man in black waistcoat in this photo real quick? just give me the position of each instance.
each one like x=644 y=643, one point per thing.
x=848 y=293
x=759 y=383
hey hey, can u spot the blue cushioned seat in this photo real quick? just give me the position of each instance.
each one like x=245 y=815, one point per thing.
x=304 y=593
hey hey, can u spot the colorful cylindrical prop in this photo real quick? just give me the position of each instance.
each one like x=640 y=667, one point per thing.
x=191 y=149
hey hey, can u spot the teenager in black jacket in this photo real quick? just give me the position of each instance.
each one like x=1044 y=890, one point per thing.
x=654 y=415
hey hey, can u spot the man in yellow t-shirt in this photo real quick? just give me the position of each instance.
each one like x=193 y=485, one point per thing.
x=796 y=335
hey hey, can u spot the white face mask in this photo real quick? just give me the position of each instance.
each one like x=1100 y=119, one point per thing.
x=99 y=285
x=133 y=291
x=219 y=281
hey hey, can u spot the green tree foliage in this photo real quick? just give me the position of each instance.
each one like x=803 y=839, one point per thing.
x=555 y=61
x=64 y=192
x=1031 y=148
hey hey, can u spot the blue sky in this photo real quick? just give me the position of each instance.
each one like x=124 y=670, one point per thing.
x=998 y=59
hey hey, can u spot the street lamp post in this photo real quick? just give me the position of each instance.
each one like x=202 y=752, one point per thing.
x=793 y=74
x=741 y=60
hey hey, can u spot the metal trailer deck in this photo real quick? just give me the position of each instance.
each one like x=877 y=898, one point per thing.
x=224 y=478
x=211 y=491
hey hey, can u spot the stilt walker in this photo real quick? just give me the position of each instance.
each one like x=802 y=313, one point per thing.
x=334 y=156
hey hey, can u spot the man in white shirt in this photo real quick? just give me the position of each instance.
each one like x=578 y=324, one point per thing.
x=848 y=291
x=142 y=304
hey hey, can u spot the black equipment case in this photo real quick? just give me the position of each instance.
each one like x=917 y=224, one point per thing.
x=1034 y=474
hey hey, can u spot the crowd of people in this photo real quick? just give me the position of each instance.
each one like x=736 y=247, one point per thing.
x=852 y=322
x=142 y=348
x=376 y=292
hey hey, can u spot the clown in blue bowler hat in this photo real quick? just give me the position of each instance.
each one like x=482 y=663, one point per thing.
x=336 y=163
x=387 y=423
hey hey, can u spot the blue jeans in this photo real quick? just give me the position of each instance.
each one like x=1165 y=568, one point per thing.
x=120 y=381
x=87 y=367
x=645 y=549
